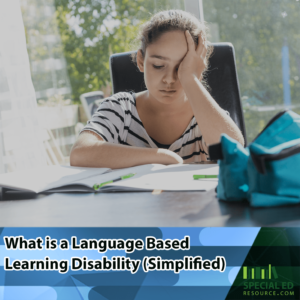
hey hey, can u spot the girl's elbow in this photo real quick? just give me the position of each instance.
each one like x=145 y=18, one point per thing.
x=75 y=158
x=78 y=155
x=240 y=139
x=87 y=156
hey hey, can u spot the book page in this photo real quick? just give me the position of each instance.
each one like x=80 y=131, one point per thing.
x=170 y=178
x=44 y=178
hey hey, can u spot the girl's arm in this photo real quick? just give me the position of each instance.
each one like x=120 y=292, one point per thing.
x=90 y=150
x=211 y=118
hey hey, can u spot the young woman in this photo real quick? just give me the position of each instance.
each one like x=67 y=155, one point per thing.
x=175 y=119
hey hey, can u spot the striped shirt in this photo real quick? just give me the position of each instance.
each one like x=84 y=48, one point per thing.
x=117 y=121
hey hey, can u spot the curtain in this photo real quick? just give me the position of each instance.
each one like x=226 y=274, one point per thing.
x=21 y=145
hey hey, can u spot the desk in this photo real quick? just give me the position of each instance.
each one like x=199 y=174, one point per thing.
x=180 y=209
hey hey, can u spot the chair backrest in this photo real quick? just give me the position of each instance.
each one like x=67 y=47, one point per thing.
x=221 y=78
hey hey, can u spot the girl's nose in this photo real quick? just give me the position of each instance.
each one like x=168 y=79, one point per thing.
x=170 y=77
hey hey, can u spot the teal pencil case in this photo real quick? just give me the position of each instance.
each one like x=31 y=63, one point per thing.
x=232 y=159
x=273 y=174
x=253 y=173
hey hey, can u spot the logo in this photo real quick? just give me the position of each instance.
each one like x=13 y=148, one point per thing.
x=266 y=282
x=259 y=273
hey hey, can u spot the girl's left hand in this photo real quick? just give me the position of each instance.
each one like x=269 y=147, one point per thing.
x=194 y=62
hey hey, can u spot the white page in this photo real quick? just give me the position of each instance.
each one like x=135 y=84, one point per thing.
x=114 y=174
x=170 y=178
x=45 y=178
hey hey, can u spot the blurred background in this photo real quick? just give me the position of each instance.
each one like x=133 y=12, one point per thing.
x=69 y=43
x=266 y=38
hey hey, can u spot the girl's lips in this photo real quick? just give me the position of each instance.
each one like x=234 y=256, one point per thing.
x=168 y=91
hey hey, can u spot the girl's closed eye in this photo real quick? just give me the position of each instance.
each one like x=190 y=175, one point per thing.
x=159 y=67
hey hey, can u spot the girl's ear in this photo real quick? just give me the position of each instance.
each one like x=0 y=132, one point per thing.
x=140 y=60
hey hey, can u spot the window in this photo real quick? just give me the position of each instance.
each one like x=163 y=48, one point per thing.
x=266 y=38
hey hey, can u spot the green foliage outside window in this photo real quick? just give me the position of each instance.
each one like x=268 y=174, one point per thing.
x=91 y=30
x=258 y=29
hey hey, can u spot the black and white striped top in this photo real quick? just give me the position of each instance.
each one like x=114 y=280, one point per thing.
x=117 y=121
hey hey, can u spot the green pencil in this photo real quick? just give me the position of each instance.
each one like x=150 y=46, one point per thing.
x=196 y=177
x=98 y=186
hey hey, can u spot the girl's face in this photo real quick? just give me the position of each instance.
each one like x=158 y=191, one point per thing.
x=160 y=66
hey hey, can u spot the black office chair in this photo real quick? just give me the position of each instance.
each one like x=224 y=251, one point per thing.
x=221 y=77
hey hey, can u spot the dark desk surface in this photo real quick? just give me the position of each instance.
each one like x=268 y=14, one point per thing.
x=200 y=209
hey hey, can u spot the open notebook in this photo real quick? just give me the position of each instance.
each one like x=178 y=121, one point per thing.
x=143 y=178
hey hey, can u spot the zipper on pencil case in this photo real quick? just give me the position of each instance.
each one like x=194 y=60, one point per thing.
x=259 y=160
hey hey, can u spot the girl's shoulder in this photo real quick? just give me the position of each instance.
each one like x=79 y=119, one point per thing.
x=121 y=100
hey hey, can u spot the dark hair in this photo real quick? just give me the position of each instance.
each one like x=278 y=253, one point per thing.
x=171 y=20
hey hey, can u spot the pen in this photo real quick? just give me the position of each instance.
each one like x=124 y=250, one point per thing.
x=98 y=186
x=196 y=177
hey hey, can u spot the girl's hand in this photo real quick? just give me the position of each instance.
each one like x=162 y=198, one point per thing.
x=194 y=62
x=169 y=157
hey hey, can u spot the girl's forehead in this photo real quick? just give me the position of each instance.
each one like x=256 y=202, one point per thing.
x=170 y=45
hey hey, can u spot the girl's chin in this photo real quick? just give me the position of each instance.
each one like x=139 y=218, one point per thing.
x=168 y=100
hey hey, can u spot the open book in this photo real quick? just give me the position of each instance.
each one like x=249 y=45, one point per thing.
x=140 y=178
